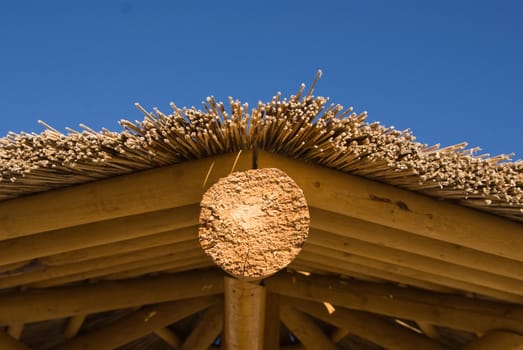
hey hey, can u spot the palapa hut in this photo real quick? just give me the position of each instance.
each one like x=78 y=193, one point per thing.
x=105 y=241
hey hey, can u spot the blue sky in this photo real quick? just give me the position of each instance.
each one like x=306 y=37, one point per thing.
x=451 y=71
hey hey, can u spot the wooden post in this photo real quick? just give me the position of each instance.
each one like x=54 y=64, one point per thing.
x=244 y=315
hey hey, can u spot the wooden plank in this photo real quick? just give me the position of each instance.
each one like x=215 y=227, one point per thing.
x=376 y=330
x=406 y=303
x=272 y=322
x=60 y=302
x=479 y=280
x=244 y=315
x=137 y=193
x=137 y=325
x=95 y=234
x=9 y=343
x=207 y=329
x=385 y=236
x=390 y=206
x=94 y=264
x=308 y=332
x=188 y=259
x=121 y=247
x=497 y=340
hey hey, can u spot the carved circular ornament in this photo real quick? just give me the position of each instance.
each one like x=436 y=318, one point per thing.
x=253 y=223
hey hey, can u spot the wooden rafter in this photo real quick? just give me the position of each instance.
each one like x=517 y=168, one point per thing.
x=166 y=267
x=497 y=340
x=73 y=325
x=406 y=303
x=122 y=247
x=147 y=191
x=329 y=265
x=138 y=324
x=185 y=260
x=96 y=234
x=40 y=305
x=340 y=257
x=305 y=329
x=381 y=332
x=7 y=342
x=397 y=257
x=168 y=337
x=345 y=226
x=206 y=330
x=99 y=263
x=400 y=209
x=271 y=339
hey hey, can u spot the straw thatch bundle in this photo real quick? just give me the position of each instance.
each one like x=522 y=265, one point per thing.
x=303 y=126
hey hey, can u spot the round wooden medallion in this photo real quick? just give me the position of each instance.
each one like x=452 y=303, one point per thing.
x=253 y=223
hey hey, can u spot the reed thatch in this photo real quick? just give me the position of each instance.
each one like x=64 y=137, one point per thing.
x=303 y=126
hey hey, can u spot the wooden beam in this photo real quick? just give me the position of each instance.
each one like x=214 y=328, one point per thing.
x=41 y=305
x=497 y=340
x=137 y=324
x=137 y=193
x=464 y=275
x=9 y=343
x=272 y=322
x=207 y=329
x=73 y=325
x=244 y=315
x=345 y=226
x=376 y=330
x=335 y=257
x=390 y=206
x=51 y=272
x=96 y=234
x=308 y=332
x=168 y=337
x=122 y=247
x=406 y=303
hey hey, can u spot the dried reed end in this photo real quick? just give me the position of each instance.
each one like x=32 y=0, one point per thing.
x=253 y=223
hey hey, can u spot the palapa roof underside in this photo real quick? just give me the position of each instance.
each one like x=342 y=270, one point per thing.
x=302 y=127
x=115 y=262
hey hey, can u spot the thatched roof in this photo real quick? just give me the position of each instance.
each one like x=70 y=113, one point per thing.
x=93 y=263
x=303 y=127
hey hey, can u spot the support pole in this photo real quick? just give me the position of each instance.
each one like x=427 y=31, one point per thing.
x=244 y=315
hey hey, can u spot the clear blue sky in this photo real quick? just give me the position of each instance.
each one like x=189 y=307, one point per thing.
x=451 y=71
